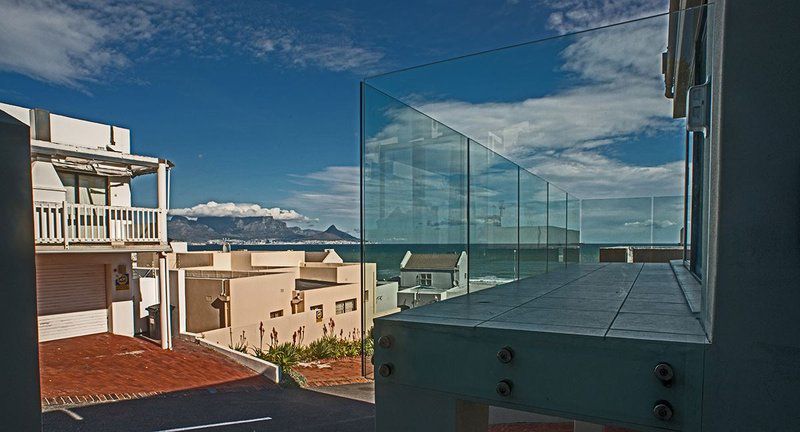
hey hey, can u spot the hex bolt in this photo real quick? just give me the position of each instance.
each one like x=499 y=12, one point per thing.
x=385 y=341
x=505 y=355
x=664 y=373
x=385 y=369
x=504 y=388
x=663 y=410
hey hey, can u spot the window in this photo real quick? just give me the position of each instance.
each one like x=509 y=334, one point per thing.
x=317 y=309
x=345 y=306
x=85 y=189
x=276 y=314
x=424 y=279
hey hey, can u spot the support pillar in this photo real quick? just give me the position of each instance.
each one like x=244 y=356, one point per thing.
x=164 y=303
x=162 y=202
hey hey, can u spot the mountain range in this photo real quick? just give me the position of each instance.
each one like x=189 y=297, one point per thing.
x=247 y=229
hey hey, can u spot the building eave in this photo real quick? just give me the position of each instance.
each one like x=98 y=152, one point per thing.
x=138 y=164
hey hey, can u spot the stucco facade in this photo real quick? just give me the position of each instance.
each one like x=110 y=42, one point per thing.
x=230 y=296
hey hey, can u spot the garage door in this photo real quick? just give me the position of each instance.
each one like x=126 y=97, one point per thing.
x=71 y=300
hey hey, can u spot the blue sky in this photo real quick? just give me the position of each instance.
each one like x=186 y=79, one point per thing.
x=255 y=102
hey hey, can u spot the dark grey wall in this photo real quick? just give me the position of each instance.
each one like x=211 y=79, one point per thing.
x=20 y=408
x=752 y=377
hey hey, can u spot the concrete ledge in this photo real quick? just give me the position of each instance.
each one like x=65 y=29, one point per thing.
x=263 y=367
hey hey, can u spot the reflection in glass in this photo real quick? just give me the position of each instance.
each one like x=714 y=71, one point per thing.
x=532 y=225
x=493 y=215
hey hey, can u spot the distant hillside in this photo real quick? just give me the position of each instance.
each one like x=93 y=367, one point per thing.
x=247 y=229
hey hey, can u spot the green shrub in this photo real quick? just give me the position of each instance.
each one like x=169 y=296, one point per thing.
x=284 y=355
x=322 y=348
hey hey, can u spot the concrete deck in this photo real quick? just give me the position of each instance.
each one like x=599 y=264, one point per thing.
x=641 y=301
x=586 y=340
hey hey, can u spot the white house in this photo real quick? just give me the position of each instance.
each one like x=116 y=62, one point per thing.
x=430 y=277
x=85 y=227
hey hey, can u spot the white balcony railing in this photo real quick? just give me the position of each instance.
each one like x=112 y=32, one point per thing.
x=66 y=223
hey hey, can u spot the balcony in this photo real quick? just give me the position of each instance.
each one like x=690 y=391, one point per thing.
x=532 y=160
x=63 y=226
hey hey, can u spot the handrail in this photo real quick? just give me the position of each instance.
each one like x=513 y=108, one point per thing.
x=67 y=223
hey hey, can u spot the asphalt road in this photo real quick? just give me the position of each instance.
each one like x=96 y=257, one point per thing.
x=203 y=410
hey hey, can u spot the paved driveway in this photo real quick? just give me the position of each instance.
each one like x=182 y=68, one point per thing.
x=218 y=411
x=106 y=366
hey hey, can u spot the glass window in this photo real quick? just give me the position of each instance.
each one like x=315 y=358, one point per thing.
x=84 y=188
x=70 y=182
x=276 y=314
x=92 y=190
x=424 y=279
x=345 y=306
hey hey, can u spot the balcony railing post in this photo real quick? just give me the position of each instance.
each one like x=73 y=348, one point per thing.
x=64 y=223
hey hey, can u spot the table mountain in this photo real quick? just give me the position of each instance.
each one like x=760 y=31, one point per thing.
x=247 y=229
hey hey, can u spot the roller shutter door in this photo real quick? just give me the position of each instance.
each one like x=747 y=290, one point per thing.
x=71 y=300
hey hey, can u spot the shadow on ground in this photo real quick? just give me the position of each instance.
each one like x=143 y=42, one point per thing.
x=288 y=410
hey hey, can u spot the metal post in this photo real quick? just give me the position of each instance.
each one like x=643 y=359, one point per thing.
x=163 y=301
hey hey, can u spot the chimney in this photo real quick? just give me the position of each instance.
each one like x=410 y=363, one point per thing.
x=40 y=124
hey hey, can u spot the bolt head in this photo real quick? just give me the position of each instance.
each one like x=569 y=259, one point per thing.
x=504 y=388
x=385 y=341
x=505 y=355
x=664 y=372
x=663 y=410
x=385 y=370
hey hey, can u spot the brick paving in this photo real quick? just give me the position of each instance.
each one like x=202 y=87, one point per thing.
x=106 y=367
x=341 y=371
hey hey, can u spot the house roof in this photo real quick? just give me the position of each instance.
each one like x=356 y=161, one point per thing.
x=444 y=261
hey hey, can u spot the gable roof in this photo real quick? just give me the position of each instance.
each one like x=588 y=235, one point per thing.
x=443 y=261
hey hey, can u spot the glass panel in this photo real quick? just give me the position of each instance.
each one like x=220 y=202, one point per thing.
x=614 y=222
x=573 y=253
x=556 y=227
x=532 y=225
x=414 y=203
x=493 y=207
x=68 y=179
x=92 y=190
x=667 y=220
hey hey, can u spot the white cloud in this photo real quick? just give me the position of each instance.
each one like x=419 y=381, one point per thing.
x=216 y=209
x=53 y=42
x=572 y=135
x=76 y=42
x=336 y=53
x=575 y=15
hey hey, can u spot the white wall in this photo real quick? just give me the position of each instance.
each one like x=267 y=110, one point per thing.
x=47 y=185
x=386 y=297
x=77 y=132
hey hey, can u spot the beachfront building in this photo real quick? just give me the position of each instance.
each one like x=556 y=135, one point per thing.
x=85 y=225
x=430 y=277
x=241 y=297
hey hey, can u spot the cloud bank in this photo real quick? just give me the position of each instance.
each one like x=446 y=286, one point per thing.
x=215 y=209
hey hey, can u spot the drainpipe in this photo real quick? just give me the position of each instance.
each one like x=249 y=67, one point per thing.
x=162 y=202
x=164 y=301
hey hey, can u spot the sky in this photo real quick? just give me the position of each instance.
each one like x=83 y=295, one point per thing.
x=257 y=103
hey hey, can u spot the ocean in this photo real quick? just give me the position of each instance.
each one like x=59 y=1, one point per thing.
x=490 y=263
